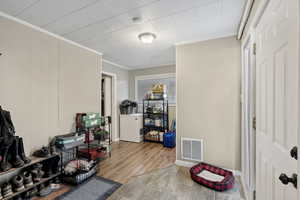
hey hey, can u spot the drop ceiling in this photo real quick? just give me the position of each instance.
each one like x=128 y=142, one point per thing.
x=106 y=25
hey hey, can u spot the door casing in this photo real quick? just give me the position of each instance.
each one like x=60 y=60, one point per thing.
x=114 y=115
x=248 y=113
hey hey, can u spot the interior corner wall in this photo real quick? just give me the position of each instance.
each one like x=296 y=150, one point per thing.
x=208 y=98
x=44 y=82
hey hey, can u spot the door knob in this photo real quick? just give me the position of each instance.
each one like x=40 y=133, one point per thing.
x=294 y=153
x=286 y=180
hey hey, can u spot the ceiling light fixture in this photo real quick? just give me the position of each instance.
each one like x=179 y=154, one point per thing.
x=147 y=38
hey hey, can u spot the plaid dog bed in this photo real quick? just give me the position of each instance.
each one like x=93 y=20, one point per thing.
x=225 y=184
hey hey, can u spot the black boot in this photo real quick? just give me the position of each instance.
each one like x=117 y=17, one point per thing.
x=22 y=151
x=16 y=159
x=5 y=165
x=7 y=132
x=51 y=166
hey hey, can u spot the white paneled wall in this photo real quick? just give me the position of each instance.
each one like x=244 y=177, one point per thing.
x=79 y=84
x=44 y=82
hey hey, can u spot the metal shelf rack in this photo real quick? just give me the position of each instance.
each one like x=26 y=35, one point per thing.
x=155 y=119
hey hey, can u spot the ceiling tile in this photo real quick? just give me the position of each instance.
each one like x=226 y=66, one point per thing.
x=45 y=11
x=13 y=7
x=82 y=18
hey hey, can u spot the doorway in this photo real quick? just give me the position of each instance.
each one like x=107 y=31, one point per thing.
x=109 y=100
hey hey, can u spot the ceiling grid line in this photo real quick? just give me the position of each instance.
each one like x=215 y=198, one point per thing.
x=72 y=12
x=18 y=13
x=103 y=20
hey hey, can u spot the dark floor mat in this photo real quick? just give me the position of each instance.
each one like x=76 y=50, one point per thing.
x=97 y=188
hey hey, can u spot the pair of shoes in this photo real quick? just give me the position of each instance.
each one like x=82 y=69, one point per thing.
x=27 y=179
x=15 y=149
x=17 y=182
x=19 y=158
x=37 y=173
x=42 y=153
x=55 y=186
x=31 y=193
x=6 y=190
x=44 y=191
x=11 y=146
x=22 y=181
x=51 y=166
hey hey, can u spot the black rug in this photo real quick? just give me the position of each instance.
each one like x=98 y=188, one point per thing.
x=97 y=188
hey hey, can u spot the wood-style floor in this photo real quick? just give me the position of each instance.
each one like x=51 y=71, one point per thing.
x=132 y=159
x=129 y=160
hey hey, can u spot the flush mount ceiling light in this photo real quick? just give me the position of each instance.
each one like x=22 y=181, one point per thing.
x=147 y=38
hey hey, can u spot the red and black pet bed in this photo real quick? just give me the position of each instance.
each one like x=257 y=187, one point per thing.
x=225 y=183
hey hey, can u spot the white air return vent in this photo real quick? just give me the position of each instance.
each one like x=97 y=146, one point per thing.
x=192 y=149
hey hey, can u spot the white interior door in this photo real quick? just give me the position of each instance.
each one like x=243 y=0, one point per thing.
x=277 y=66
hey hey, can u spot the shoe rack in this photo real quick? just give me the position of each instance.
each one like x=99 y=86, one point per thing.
x=7 y=175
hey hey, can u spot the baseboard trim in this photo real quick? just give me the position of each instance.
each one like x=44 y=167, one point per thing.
x=116 y=139
x=184 y=163
x=236 y=172
x=244 y=189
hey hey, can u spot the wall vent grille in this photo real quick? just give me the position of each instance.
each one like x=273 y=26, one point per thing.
x=192 y=149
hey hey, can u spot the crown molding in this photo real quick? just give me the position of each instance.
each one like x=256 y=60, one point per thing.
x=206 y=39
x=154 y=66
x=7 y=16
x=245 y=18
